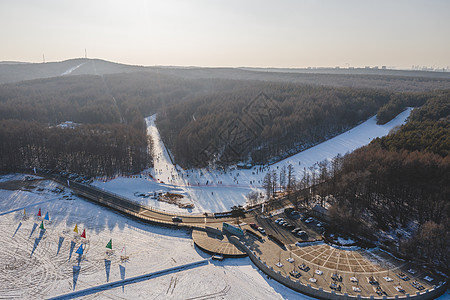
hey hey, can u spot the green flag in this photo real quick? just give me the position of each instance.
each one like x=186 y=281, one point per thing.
x=42 y=225
x=109 y=245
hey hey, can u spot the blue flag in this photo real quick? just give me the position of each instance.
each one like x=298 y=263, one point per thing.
x=46 y=217
x=80 y=250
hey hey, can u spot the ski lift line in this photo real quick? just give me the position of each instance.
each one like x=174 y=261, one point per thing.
x=109 y=92
x=136 y=279
x=28 y=206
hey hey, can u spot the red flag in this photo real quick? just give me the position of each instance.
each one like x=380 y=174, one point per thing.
x=83 y=235
x=39 y=213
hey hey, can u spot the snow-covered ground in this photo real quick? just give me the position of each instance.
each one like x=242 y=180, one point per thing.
x=38 y=264
x=216 y=191
x=68 y=71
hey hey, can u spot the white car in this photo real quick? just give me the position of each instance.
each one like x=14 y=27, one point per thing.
x=309 y=220
x=296 y=229
x=319 y=224
x=301 y=233
x=260 y=229
x=279 y=220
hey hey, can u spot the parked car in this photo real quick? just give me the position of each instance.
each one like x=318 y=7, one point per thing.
x=260 y=229
x=282 y=222
x=254 y=226
x=279 y=220
x=295 y=274
x=301 y=233
x=296 y=230
x=319 y=224
x=290 y=227
x=177 y=219
x=309 y=220
x=217 y=257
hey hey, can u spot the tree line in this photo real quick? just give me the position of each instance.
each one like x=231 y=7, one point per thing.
x=400 y=181
x=100 y=149
x=226 y=127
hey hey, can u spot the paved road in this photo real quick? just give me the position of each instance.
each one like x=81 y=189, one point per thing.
x=140 y=211
x=152 y=215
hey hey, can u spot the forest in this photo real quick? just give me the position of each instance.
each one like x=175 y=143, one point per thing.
x=398 y=181
x=201 y=120
x=260 y=123
x=397 y=186
x=99 y=149
x=106 y=137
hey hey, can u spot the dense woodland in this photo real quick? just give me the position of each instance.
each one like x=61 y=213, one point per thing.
x=99 y=149
x=399 y=181
x=107 y=138
x=109 y=135
x=201 y=120
x=263 y=122
x=399 y=184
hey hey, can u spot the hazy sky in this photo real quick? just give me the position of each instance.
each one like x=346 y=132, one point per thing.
x=281 y=33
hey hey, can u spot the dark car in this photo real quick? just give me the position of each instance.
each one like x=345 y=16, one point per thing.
x=295 y=274
x=254 y=226
x=177 y=219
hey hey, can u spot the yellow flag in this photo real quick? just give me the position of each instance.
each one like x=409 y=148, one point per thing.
x=76 y=228
x=24 y=212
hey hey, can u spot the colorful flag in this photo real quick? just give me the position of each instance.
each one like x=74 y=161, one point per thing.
x=46 y=217
x=83 y=235
x=24 y=213
x=42 y=225
x=109 y=245
x=76 y=228
x=39 y=213
x=79 y=250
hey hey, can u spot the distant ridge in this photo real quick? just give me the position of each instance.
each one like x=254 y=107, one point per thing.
x=387 y=79
x=11 y=72
x=354 y=71
x=13 y=62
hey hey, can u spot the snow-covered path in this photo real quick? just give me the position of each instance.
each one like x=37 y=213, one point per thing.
x=163 y=168
x=217 y=191
x=67 y=72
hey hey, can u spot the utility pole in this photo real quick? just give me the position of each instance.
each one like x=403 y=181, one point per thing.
x=85 y=53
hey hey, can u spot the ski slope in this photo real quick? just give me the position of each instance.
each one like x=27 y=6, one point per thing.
x=69 y=71
x=216 y=191
x=39 y=264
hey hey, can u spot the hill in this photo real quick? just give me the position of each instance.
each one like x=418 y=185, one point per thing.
x=397 y=187
x=393 y=80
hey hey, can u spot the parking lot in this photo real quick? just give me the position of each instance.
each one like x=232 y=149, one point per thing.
x=309 y=260
x=317 y=264
x=284 y=234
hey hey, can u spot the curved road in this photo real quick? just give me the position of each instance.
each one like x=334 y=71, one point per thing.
x=142 y=212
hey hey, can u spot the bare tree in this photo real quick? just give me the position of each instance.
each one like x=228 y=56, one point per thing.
x=267 y=184
x=290 y=176
x=274 y=181
x=283 y=177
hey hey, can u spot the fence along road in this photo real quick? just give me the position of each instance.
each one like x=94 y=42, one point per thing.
x=135 y=209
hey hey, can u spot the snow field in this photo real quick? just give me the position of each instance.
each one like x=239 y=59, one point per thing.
x=217 y=191
x=42 y=264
